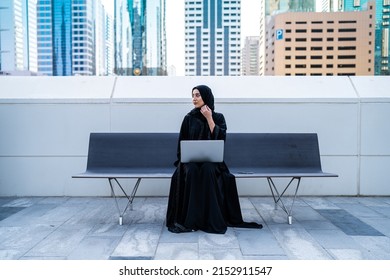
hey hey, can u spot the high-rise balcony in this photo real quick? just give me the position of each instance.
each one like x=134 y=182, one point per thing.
x=46 y=122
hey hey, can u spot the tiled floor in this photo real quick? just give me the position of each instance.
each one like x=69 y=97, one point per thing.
x=87 y=228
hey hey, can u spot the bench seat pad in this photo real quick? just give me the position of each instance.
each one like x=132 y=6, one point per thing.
x=127 y=173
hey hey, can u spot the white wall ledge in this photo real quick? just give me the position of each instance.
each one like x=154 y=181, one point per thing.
x=46 y=122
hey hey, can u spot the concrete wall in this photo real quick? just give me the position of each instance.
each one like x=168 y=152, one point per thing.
x=45 y=123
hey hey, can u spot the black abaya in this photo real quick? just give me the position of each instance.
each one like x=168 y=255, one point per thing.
x=203 y=196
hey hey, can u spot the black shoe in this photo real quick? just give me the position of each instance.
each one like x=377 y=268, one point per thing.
x=177 y=228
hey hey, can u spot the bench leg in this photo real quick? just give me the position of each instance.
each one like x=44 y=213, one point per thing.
x=129 y=198
x=277 y=196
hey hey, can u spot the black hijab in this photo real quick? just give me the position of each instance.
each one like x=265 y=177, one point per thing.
x=207 y=95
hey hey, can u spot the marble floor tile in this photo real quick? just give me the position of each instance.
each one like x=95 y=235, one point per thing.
x=218 y=241
x=177 y=251
x=320 y=203
x=298 y=244
x=24 y=239
x=61 y=242
x=258 y=242
x=348 y=223
x=347 y=254
x=378 y=246
x=94 y=248
x=220 y=254
x=140 y=240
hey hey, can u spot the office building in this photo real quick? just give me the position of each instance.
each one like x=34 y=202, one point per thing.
x=250 y=57
x=309 y=43
x=212 y=38
x=18 y=49
x=273 y=7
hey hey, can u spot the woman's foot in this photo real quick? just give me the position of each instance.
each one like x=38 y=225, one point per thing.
x=178 y=228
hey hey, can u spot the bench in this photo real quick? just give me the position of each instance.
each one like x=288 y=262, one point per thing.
x=116 y=156
x=275 y=155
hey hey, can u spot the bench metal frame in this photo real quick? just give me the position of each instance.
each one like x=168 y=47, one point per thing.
x=277 y=196
x=129 y=198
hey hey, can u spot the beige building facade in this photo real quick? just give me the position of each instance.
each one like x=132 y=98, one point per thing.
x=311 y=43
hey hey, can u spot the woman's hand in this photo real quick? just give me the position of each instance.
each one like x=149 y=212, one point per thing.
x=206 y=111
x=208 y=114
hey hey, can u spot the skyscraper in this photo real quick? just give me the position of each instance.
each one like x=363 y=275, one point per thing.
x=382 y=31
x=66 y=37
x=122 y=38
x=18 y=50
x=140 y=41
x=250 y=57
x=104 y=39
x=212 y=37
x=108 y=44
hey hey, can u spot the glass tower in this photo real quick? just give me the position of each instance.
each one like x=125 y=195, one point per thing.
x=62 y=37
x=137 y=9
x=382 y=31
x=140 y=42
x=66 y=37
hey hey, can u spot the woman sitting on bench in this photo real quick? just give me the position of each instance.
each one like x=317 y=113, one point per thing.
x=203 y=196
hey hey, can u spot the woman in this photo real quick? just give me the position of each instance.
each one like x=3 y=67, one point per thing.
x=203 y=196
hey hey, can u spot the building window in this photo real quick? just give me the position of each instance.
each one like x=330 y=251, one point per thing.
x=346 y=39
x=347 y=30
x=346 y=56
x=346 y=65
x=346 y=48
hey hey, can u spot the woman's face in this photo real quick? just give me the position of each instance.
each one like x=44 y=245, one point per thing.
x=197 y=98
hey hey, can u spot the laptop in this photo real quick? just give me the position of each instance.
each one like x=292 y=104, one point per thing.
x=201 y=150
